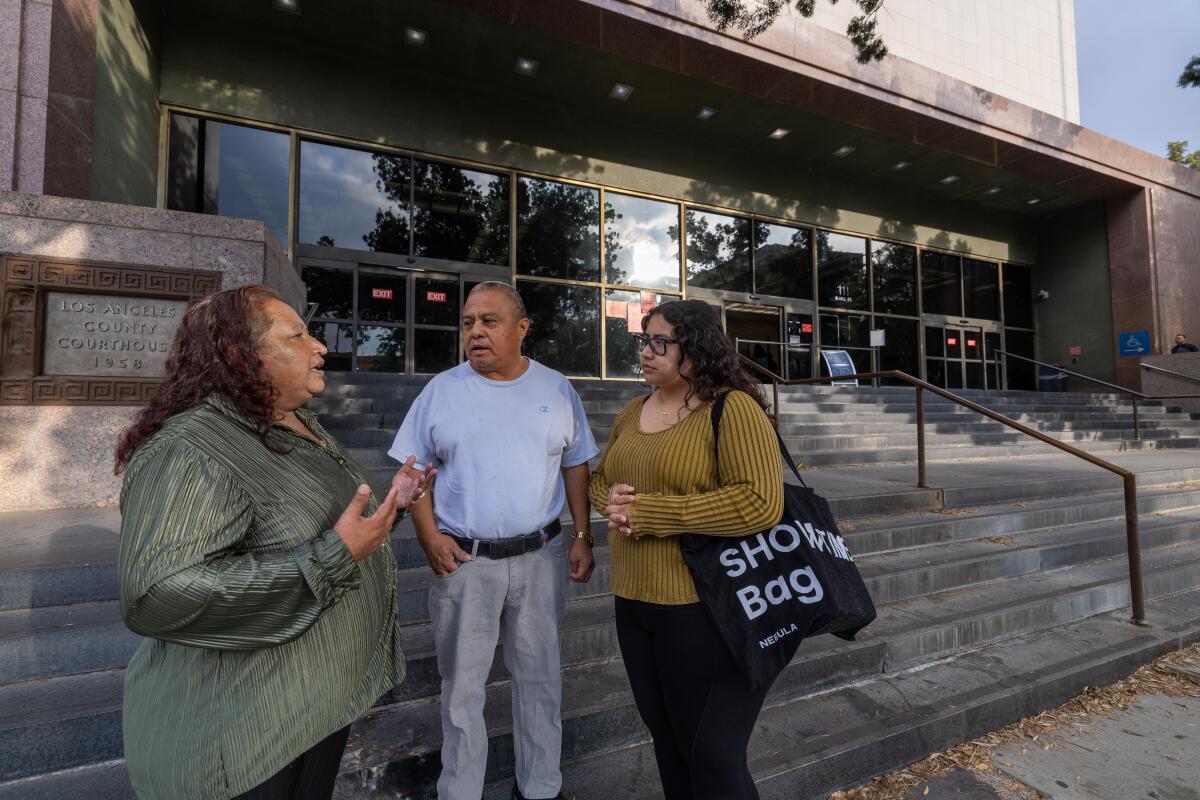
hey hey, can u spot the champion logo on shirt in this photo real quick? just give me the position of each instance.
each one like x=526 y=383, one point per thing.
x=544 y=409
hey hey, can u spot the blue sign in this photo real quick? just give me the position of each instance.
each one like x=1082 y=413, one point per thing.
x=838 y=362
x=1135 y=343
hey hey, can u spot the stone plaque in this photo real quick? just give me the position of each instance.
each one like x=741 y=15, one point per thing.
x=109 y=335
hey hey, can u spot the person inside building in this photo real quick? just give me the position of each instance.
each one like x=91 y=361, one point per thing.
x=1182 y=345
x=255 y=561
x=659 y=478
x=510 y=440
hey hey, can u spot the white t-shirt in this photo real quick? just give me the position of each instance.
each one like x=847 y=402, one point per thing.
x=498 y=447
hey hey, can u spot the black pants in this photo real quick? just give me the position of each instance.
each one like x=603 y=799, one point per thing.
x=696 y=702
x=309 y=777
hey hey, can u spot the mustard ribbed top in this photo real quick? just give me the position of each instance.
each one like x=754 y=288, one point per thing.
x=674 y=474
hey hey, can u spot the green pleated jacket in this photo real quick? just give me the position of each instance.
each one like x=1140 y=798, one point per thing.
x=263 y=635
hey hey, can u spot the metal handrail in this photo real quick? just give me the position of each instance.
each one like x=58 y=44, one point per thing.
x=1128 y=478
x=1172 y=373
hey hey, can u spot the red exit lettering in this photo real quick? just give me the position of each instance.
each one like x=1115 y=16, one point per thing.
x=435 y=297
x=952 y=341
x=806 y=327
x=381 y=294
x=970 y=342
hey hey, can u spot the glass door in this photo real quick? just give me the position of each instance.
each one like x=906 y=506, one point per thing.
x=755 y=331
x=962 y=355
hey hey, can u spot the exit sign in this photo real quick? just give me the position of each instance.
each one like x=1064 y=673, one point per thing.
x=381 y=294
x=435 y=297
x=1075 y=350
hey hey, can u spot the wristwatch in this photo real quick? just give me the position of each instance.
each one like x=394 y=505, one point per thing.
x=586 y=536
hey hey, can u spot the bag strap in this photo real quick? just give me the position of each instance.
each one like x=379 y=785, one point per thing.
x=717 y=410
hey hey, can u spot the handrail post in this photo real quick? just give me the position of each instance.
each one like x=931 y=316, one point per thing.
x=921 y=438
x=1133 y=544
x=1137 y=427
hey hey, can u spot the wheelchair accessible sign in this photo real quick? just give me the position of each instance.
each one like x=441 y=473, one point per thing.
x=1135 y=343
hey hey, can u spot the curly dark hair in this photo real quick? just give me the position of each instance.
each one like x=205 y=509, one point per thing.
x=215 y=351
x=715 y=364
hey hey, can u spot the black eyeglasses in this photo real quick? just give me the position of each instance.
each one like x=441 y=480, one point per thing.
x=658 y=344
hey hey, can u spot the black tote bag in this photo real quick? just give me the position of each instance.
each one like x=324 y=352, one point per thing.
x=768 y=591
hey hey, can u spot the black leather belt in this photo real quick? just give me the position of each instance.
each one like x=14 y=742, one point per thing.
x=513 y=546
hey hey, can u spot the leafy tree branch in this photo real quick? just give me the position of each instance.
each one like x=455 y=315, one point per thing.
x=753 y=17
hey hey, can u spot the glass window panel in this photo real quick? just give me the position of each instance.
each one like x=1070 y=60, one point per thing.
x=332 y=290
x=847 y=330
x=991 y=343
x=841 y=270
x=981 y=289
x=564 y=329
x=1018 y=296
x=941 y=284
x=953 y=337
x=954 y=375
x=783 y=260
x=718 y=251
x=935 y=345
x=623 y=312
x=380 y=349
x=974 y=375
x=339 y=338
x=1021 y=374
x=900 y=345
x=971 y=345
x=434 y=351
x=895 y=271
x=230 y=170
x=558 y=230
x=436 y=301
x=935 y=371
x=641 y=241
x=381 y=297
x=459 y=214
x=353 y=198
x=799 y=360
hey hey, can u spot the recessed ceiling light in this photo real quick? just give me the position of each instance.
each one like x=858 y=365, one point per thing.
x=949 y=179
x=526 y=66
x=899 y=165
x=843 y=151
x=621 y=91
x=779 y=133
x=1033 y=202
x=290 y=6
x=415 y=36
x=993 y=190
x=706 y=113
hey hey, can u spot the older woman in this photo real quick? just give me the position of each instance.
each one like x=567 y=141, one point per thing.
x=266 y=596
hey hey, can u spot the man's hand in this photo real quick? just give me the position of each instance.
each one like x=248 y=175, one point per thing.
x=443 y=553
x=364 y=535
x=411 y=484
x=620 y=500
x=582 y=561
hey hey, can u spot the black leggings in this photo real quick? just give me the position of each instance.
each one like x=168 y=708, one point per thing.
x=696 y=702
x=309 y=777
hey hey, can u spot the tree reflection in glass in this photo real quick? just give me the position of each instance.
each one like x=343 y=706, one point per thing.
x=353 y=198
x=718 y=251
x=558 y=230
x=782 y=261
x=895 y=269
x=380 y=349
x=842 y=270
x=563 y=326
x=339 y=338
x=459 y=214
x=332 y=290
x=641 y=241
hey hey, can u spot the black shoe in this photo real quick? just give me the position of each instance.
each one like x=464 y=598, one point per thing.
x=516 y=795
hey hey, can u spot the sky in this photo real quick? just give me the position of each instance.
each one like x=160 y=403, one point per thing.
x=1131 y=53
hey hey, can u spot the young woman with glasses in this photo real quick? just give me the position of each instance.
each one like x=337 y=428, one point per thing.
x=659 y=478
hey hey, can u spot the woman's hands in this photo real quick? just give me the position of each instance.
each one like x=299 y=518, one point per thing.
x=411 y=484
x=620 y=499
x=364 y=535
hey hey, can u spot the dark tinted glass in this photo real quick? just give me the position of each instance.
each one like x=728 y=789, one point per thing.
x=1021 y=374
x=799 y=360
x=332 y=290
x=841 y=270
x=1018 y=296
x=436 y=302
x=783 y=260
x=380 y=349
x=558 y=230
x=981 y=289
x=941 y=285
x=339 y=338
x=954 y=342
x=974 y=375
x=353 y=198
x=434 y=351
x=641 y=241
x=935 y=372
x=972 y=345
x=564 y=327
x=847 y=330
x=381 y=297
x=623 y=312
x=718 y=251
x=895 y=271
x=935 y=346
x=900 y=345
x=459 y=214
x=991 y=343
x=231 y=170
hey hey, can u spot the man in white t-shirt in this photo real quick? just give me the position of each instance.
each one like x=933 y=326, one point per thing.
x=510 y=442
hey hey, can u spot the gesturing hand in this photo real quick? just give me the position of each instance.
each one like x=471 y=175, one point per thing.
x=620 y=498
x=411 y=484
x=364 y=535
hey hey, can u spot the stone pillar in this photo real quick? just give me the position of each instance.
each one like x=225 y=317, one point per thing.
x=72 y=92
x=1131 y=278
x=24 y=89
